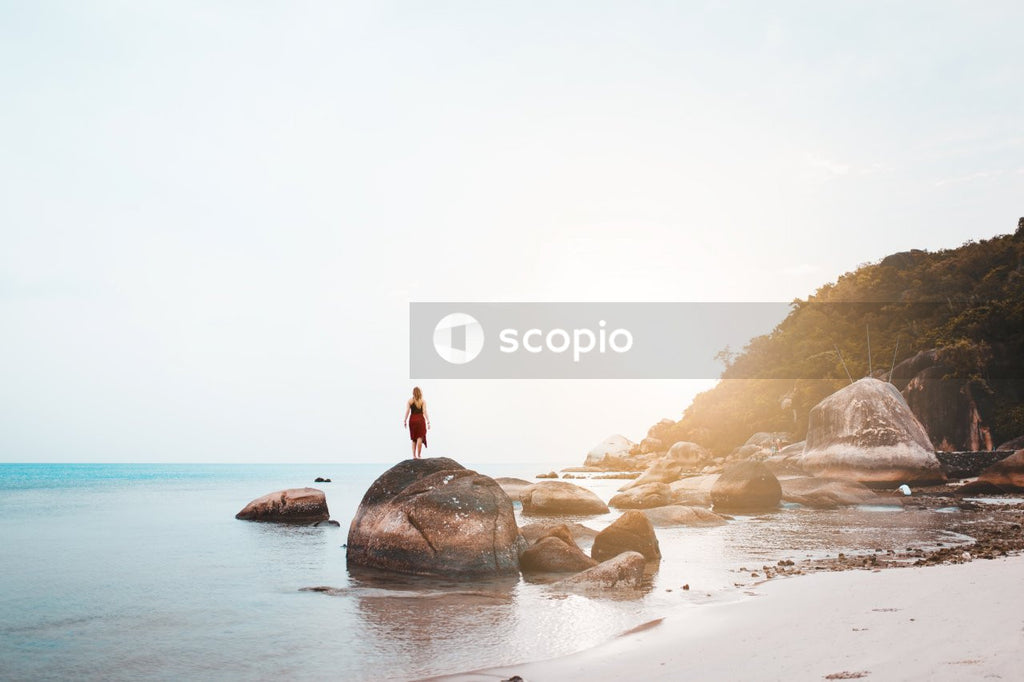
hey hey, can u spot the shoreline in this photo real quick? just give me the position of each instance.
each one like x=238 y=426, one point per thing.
x=945 y=622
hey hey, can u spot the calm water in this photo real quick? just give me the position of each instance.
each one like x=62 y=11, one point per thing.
x=128 y=572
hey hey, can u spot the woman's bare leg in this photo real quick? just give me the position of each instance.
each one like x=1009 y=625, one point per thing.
x=414 y=450
x=419 y=448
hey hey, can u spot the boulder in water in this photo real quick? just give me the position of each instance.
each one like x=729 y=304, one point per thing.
x=624 y=570
x=558 y=498
x=611 y=454
x=746 y=487
x=824 y=493
x=630 y=532
x=866 y=432
x=539 y=529
x=295 y=505
x=556 y=552
x=675 y=515
x=643 y=497
x=434 y=517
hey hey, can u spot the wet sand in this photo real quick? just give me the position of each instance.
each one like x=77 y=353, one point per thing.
x=949 y=622
x=946 y=613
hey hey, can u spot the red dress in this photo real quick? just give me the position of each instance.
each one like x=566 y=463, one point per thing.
x=417 y=424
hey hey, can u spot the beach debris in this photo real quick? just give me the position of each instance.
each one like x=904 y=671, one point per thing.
x=632 y=531
x=294 y=505
x=905 y=489
x=847 y=675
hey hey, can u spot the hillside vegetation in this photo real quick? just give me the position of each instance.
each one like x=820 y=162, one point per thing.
x=967 y=303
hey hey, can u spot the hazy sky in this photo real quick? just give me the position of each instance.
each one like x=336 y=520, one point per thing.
x=213 y=215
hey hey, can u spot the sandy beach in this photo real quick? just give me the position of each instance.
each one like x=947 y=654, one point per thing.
x=951 y=622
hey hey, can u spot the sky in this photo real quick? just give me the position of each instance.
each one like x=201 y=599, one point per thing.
x=214 y=215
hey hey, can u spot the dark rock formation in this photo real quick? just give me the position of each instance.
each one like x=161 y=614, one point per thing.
x=632 y=531
x=944 y=405
x=295 y=505
x=746 y=487
x=1012 y=445
x=675 y=515
x=968 y=464
x=1005 y=476
x=319 y=479
x=625 y=570
x=866 y=432
x=557 y=498
x=434 y=517
x=643 y=497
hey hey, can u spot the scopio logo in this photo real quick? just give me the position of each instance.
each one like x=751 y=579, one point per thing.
x=458 y=338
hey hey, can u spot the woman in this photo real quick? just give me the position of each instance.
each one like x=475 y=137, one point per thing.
x=418 y=421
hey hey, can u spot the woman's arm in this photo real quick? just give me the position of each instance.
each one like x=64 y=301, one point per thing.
x=408 y=409
x=425 y=415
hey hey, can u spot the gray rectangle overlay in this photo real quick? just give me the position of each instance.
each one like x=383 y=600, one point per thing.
x=581 y=340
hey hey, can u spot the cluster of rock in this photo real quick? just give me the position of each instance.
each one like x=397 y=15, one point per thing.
x=434 y=517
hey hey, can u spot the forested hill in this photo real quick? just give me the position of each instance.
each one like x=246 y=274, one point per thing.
x=964 y=305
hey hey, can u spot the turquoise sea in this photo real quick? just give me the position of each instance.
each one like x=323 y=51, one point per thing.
x=141 y=572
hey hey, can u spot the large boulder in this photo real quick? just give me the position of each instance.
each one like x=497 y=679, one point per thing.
x=1006 y=475
x=746 y=487
x=689 y=456
x=649 y=445
x=694 y=490
x=558 y=498
x=435 y=517
x=513 y=487
x=786 y=460
x=675 y=515
x=663 y=470
x=625 y=570
x=824 y=493
x=643 y=497
x=611 y=454
x=632 y=531
x=556 y=552
x=295 y=505
x=866 y=432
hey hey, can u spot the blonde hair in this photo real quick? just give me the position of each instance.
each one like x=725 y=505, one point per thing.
x=417 y=394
